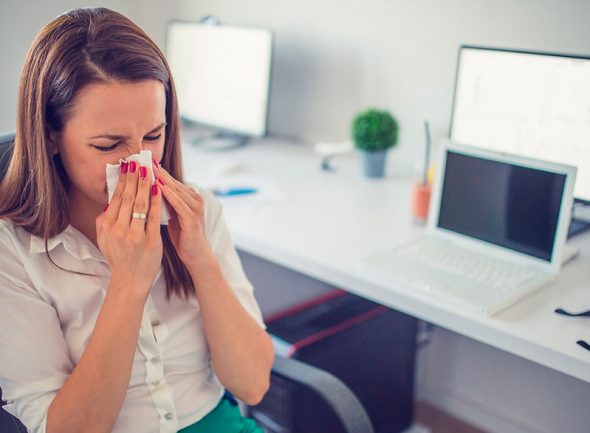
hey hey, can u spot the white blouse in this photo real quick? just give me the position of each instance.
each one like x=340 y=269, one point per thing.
x=47 y=316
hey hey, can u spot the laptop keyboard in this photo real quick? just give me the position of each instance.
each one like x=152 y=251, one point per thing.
x=470 y=265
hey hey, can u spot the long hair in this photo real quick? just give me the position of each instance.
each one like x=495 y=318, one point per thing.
x=78 y=48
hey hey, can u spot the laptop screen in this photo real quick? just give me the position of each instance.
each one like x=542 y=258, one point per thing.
x=508 y=205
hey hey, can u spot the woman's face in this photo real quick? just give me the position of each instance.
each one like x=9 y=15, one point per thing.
x=109 y=122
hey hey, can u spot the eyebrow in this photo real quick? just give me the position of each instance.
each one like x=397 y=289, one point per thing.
x=124 y=137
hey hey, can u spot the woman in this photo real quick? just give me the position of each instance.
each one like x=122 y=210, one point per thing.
x=111 y=322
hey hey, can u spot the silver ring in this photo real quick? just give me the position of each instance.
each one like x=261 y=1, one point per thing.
x=139 y=215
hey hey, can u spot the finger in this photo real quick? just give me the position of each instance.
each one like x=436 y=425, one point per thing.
x=191 y=197
x=183 y=211
x=129 y=194
x=164 y=177
x=142 y=199
x=99 y=222
x=113 y=209
x=153 y=221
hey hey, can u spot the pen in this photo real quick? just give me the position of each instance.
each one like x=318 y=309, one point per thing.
x=227 y=192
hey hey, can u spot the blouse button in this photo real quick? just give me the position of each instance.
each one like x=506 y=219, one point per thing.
x=168 y=416
x=155 y=383
x=155 y=360
x=155 y=323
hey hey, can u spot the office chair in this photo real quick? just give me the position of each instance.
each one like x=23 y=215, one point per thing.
x=338 y=396
x=332 y=390
x=8 y=423
x=6 y=142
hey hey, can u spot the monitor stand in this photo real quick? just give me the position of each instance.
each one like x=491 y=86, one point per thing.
x=220 y=140
x=580 y=218
x=577 y=227
x=570 y=252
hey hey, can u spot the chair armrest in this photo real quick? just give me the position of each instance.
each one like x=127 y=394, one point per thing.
x=339 y=397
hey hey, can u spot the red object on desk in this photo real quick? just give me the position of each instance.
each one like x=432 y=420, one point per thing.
x=421 y=202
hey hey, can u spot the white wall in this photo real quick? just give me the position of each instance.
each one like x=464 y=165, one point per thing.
x=334 y=57
x=498 y=391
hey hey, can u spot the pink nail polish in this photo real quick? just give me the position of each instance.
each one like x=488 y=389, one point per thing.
x=142 y=172
x=154 y=189
x=161 y=181
x=124 y=167
x=105 y=208
x=132 y=166
x=155 y=162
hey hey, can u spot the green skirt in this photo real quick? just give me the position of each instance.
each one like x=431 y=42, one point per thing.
x=225 y=418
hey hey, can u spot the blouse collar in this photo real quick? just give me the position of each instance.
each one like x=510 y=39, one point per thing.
x=73 y=241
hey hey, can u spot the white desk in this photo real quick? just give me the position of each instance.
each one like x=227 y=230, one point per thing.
x=328 y=221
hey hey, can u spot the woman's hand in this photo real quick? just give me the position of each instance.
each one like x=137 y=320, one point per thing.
x=187 y=223
x=132 y=246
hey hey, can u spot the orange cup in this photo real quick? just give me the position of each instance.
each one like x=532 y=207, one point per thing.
x=420 y=202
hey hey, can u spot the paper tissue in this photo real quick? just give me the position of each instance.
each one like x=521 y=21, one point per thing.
x=144 y=159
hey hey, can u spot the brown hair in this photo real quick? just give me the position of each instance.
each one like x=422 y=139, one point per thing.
x=80 y=47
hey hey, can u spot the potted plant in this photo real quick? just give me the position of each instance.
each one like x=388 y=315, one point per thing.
x=374 y=132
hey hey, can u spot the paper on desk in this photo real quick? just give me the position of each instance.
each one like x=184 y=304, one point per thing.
x=268 y=192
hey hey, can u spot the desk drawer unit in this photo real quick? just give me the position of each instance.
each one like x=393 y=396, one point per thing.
x=369 y=347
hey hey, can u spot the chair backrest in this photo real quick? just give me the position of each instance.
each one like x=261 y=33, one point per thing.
x=6 y=146
x=8 y=423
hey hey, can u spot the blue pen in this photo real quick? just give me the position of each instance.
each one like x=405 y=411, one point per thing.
x=227 y=192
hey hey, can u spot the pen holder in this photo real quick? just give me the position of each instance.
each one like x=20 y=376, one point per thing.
x=420 y=202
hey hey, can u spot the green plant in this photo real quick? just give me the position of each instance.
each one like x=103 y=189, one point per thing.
x=374 y=130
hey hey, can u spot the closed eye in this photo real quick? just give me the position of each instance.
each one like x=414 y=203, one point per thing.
x=112 y=147
x=107 y=148
x=154 y=138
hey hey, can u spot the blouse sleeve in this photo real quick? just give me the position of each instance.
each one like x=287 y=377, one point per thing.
x=225 y=252
x=34 y=357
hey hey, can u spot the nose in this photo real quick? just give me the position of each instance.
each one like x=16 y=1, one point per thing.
x=137 y=146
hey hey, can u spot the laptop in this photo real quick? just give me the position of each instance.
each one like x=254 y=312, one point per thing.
x=496 y=231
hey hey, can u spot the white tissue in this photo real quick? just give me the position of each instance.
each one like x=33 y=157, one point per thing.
x=144 y=159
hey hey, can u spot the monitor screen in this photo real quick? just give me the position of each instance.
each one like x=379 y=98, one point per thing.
x=530 y=104
x=222 y=74
x=509 y=205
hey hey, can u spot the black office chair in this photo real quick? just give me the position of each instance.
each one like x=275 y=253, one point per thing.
x=6 y=142
x=332 y=390
x=8 y=423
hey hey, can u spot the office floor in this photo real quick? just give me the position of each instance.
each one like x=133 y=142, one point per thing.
x=440 y=422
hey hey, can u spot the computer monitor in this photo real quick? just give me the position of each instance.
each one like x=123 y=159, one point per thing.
x=222 y=76
x=526 y=103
